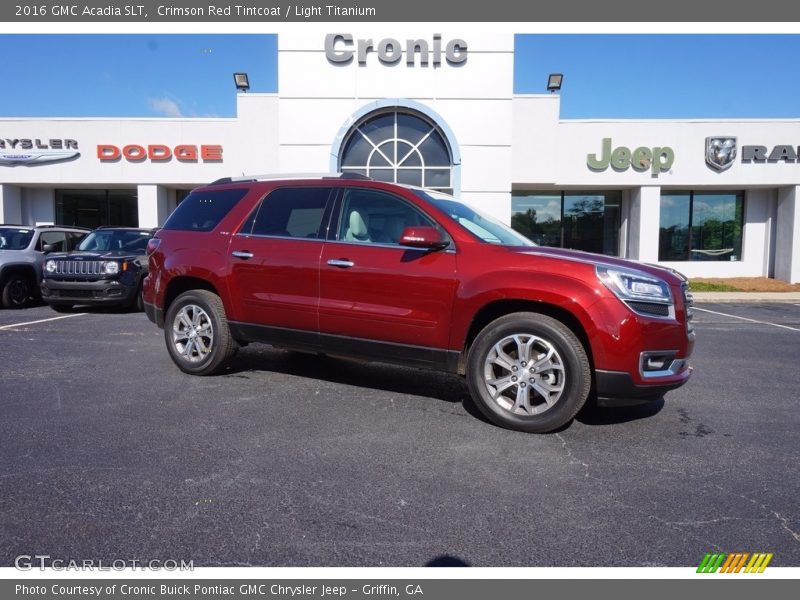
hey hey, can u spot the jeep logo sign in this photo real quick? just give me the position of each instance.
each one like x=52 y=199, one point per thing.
x=340 y=49
x=657 y=159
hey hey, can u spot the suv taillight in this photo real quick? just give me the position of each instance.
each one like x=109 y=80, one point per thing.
x=152 y=245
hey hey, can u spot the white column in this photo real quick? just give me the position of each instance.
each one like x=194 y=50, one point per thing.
x=787 y=235
x=10 y=204
x=153 y=209
x=643 y=223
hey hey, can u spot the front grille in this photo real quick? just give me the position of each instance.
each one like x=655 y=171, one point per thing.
x=80 y=267
x=650 y=308
x=688 y=303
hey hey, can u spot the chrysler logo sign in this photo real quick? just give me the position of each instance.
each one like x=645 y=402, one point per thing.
x=29 y=151
x=720 y=152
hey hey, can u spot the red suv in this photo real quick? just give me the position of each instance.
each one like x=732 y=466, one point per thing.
x=353 y=267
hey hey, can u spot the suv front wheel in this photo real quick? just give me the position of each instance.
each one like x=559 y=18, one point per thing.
x=528 y=372
x=197 y=334
x=16 y=291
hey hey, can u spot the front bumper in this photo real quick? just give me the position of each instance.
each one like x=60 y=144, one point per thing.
x=104 y=291
x=617 y=388
x=155 y=314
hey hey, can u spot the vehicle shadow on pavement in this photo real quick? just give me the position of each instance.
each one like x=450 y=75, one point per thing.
x=379 y=376
x=591 y=414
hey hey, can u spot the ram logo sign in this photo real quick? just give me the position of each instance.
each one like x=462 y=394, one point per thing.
x=720 y=152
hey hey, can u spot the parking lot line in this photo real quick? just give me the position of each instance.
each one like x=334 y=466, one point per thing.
x=714 y=312
x=14 y=325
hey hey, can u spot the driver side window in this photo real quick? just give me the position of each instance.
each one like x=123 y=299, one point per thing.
x=371 y=217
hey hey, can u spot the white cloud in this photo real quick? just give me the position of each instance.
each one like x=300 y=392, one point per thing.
x=165 y=106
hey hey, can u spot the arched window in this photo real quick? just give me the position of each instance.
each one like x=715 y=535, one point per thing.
x=399 y=146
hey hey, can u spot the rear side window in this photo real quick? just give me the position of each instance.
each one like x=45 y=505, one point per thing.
x=291 y=212
x=202 y=210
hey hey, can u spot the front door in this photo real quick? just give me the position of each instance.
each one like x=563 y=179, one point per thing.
x=374 y=290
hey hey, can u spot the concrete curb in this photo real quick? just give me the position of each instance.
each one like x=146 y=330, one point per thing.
x=755 y=297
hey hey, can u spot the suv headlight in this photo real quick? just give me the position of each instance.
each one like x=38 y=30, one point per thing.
x=50 y=266
x=111 y=268
x=643 y=293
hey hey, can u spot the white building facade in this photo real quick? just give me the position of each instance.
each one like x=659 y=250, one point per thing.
x=713 y=198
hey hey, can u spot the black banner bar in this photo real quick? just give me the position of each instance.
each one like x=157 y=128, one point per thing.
x=281 y=11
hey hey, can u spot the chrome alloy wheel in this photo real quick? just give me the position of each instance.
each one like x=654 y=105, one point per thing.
x=192 y=333
x=524 y=374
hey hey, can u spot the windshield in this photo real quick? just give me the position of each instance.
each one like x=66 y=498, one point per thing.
x=110 y=240
x=15 y=238
x=483 y=227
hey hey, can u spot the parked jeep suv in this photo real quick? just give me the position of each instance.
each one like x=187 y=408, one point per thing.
x=369 y=270
x=107 y=268
x=23 y=250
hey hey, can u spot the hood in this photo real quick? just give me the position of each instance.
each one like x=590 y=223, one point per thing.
x=93 y=255
x=671 y=276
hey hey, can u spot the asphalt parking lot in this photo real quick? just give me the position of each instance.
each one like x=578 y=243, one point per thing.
x=109 y=452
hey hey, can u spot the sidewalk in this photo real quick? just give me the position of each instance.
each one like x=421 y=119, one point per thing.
x=747 y=297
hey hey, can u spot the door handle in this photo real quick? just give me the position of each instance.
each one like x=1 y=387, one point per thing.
x=242 y=254
x=341 y=263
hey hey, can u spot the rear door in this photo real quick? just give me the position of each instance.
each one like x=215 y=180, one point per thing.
x=275 y=263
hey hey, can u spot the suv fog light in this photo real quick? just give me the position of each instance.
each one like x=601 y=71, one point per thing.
x=660 y=364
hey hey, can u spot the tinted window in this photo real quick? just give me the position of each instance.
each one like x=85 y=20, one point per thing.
x=291 y=212
x=15 y=239
x=202 y=210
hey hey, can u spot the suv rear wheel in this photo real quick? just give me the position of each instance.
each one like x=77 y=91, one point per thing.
x=528 y=372
x=197 y=334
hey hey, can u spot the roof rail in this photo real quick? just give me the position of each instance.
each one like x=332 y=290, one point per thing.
x=54 y=226
x=276 y=176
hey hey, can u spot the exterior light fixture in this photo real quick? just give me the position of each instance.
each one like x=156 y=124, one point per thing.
x=554 y=82
x=242 y=82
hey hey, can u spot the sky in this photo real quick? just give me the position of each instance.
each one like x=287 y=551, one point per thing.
x=605 y=76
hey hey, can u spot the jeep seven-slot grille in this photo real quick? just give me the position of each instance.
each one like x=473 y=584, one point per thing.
x=688 y=303
x=80 y=267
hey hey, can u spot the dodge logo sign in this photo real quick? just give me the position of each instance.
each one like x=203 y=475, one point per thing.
x=720 y=152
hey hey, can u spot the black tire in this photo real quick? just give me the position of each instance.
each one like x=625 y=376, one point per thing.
x=61 y=308
x=136 y=302
x=209 y=354
x=564 y=378
x=16 y=291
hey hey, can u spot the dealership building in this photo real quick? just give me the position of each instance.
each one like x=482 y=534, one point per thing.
x=437 y=108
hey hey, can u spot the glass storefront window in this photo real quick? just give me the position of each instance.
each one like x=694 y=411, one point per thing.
x=701 y=226
x=94 y=208
x=587 y=221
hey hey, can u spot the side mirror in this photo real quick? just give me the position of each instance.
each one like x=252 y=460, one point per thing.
x=423 y=237
x=47 y=248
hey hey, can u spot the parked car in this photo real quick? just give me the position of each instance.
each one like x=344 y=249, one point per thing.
x=107 y=268
x=382 y=272
x=23 y=249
